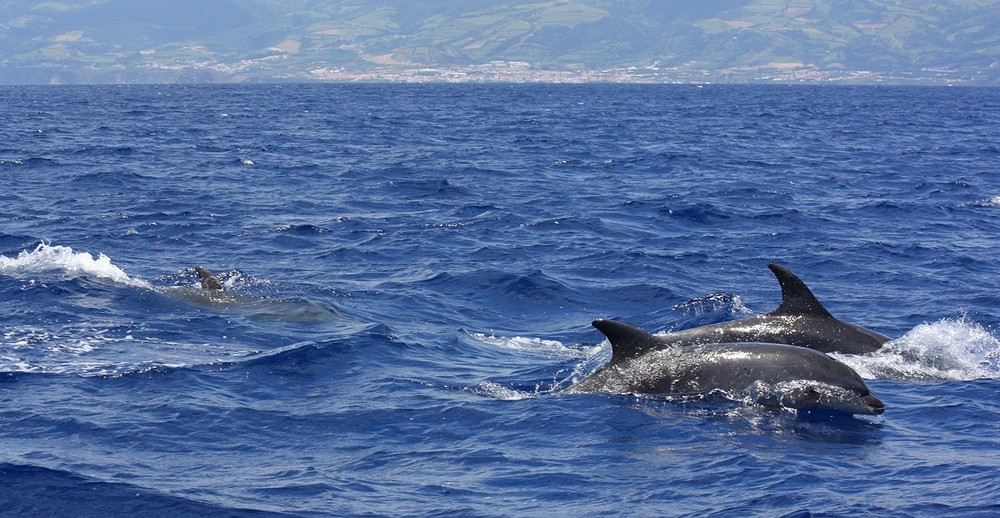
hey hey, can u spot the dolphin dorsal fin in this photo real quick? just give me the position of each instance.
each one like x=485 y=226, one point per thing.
x=208 y=281
x=796 y=297
x=626 y=341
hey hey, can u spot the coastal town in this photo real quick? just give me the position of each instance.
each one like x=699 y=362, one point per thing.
x=521 y=72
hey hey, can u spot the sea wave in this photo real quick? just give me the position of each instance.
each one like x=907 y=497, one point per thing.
x=529 y=382
x=48 y=258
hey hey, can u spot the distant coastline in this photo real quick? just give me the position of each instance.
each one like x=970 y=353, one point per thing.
x=563 y=41
x=505 y=72
x=494 y=72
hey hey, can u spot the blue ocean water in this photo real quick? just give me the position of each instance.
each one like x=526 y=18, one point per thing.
x=412 y=271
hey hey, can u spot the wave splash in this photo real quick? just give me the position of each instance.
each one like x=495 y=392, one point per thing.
x=592 y=356
x=46 y=258
x=948 y=350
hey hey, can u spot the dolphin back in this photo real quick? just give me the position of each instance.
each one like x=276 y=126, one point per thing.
x=826 y=332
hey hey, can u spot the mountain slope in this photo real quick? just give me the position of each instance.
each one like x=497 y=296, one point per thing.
x=240 y=40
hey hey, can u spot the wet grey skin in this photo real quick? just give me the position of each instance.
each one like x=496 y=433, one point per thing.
x=208 y=281
x=800 y=320
x=774 y=375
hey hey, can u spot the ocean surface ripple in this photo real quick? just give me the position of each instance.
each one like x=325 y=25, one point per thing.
x=411 y=273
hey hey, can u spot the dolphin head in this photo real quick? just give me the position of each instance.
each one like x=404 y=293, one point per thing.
x=834 y=386
x=809 y=395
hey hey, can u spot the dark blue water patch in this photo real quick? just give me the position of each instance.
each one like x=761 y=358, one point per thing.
x=730 y=211
x=207 y=147
x=697 y=213
x=521 y=291
x=433 y=188
x=53 y=492
x=105 y=151
x=11 y=245
x=310 y=358
x=115 y=179
x=291 y=236
x=297 y=230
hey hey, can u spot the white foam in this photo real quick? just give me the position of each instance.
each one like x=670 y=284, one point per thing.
x=950 y=349
x=46 y=258
x=535 y=345
x=593 y=356
x=988 y=202
x=497 y=391
x=36 y=349
x=98 y=351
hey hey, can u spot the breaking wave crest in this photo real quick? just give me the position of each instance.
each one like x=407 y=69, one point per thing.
x=48 y=258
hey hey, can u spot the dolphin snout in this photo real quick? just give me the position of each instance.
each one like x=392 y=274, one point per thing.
x=874 y=403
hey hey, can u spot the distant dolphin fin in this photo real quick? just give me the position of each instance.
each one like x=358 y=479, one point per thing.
x=208 y=281
x=626 y=341
x=796 y=297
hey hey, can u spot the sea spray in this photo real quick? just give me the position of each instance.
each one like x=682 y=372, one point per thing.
x=47 y=258
x=949 y=349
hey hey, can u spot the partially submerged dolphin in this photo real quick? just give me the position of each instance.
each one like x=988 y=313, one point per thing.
x=799 y=320
x=208 y=281
x=212 y=293
x=775 y=375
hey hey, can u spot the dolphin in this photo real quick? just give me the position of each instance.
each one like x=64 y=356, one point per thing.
x=800 y=320
x=773 y=375
x=208 y=281
x=212 y=293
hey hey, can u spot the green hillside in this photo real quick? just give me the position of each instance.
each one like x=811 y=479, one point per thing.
x=657 y=40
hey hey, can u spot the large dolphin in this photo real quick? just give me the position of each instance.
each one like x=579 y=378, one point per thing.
x=774 y=375
x=799 y=320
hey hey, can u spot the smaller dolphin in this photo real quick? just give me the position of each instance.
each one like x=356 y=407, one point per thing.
x=800 y=320
x=208 y=281
x=774 y=375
